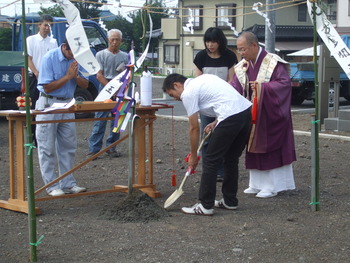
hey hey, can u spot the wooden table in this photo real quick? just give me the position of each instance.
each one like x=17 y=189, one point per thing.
x=143 y=129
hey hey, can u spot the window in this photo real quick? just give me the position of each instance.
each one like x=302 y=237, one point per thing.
x=171 y=54
x=302 y=13
x=224 y=12
x=332 y=10
x=197 y=13
x=95 y=38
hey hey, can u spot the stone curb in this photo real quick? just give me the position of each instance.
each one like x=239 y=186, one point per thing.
x=299 y=133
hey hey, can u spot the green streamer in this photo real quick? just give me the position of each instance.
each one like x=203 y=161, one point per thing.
x=37 y=242
x=31 y=147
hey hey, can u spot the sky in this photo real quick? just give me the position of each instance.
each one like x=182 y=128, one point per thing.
x=16 y=8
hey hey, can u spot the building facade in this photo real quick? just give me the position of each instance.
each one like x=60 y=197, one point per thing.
x=178 y=45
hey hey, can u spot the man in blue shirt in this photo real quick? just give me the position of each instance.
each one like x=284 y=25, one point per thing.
x=57 y=81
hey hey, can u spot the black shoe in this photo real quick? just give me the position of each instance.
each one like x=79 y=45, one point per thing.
x=91 y=154
x=113 y=154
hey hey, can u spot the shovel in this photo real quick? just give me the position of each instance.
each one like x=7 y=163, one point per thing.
x=178 y=192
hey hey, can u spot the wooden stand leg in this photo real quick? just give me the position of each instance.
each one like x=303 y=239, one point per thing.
x=17 y=201
x=144 y=155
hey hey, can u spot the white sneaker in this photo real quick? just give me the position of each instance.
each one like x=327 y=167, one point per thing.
x=198 y=209
x=221 y=204
x=251 y=191
x=266 y=194
x=74 y=190
x=56 y=192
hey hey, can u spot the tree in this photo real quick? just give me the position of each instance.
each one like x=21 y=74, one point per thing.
x=141 y=24
x=158 y=11
x=54 y=11
x=88 y=9
x=5 y=39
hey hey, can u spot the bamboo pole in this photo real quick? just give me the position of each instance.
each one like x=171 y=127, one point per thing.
x=29 y=146
x=315 y=170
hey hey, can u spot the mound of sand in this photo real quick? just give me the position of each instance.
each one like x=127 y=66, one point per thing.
x=135 y=207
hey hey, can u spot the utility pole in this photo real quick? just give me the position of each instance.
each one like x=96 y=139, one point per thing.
x=270 y=36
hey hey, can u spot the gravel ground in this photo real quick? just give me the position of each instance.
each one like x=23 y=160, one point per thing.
x=280 y=229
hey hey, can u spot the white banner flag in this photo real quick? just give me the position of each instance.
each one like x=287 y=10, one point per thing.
x=331 y=38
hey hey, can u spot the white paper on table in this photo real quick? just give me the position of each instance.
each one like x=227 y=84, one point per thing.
x=60 y=106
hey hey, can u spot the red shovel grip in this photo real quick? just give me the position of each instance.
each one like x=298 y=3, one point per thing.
x=188 y=157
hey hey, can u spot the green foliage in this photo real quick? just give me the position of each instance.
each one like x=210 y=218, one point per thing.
x=5 y=39
x=89 y=9
x=158 y=11
x=141 y=23
x=54 y=11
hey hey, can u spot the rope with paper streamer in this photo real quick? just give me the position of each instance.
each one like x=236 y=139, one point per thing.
x=256 y=9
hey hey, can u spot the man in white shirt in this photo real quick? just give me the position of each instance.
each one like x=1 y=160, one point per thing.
x=211 y=96
x=37 y=46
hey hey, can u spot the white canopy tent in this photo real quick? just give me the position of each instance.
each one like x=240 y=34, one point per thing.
x=307 y=52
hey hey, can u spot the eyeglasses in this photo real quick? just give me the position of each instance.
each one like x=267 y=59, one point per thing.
x=115 y=39
x=242 y=49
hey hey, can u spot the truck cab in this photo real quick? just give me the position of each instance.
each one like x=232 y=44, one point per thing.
x=97 y=39
x=303 y=83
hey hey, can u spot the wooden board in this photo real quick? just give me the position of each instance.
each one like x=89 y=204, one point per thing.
x=94 y=106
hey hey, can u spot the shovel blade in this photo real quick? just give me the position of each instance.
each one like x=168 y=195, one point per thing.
x=178 y=192
x=174 y=196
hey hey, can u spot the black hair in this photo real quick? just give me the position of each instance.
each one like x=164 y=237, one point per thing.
x=67 y=44
x=46 y=17
x=215 y=34
x=169 y=81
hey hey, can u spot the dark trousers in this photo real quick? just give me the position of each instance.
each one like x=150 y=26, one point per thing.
x=226 y=145
x=205 y=120
x=33 y=91
x=34 y=96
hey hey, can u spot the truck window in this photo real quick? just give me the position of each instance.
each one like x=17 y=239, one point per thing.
x=95 y=38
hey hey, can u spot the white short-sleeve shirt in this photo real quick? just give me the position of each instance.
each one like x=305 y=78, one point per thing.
x=37 y=47
x=213 y=97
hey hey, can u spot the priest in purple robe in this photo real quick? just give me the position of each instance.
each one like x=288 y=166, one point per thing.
x=263 y=79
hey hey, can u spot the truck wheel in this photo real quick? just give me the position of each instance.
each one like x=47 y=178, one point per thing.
x=298 y=95
x=296 y=100
x=83 y=95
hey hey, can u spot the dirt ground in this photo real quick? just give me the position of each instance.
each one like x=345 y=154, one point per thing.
x=280 y=229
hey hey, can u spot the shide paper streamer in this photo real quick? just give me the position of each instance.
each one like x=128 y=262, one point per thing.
x=256 y=9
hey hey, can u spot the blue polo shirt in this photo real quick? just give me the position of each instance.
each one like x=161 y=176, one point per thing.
x=54 y=66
